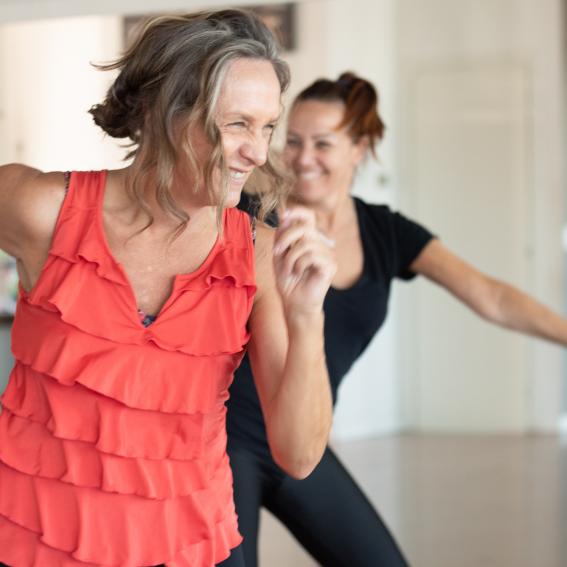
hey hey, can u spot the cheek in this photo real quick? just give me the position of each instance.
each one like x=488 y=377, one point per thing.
x=289 y=155
x=340 y=170
x=334 y=163
x=230 y=144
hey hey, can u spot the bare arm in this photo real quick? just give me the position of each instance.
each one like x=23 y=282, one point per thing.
x=287 y=349
x=494 y=300
x=29 y=204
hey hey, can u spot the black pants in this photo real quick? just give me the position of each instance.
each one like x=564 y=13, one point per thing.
x=236 y=559
x=327 y=512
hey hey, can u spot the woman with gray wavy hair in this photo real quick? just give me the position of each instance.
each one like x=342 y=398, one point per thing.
x=140 y=289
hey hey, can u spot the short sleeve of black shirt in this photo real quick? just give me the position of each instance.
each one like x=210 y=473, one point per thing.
x=391 y=241
x=251 y=205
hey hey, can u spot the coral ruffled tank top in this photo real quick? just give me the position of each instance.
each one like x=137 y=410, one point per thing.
x=112 y=435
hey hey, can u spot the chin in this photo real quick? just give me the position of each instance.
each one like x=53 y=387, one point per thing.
x=233 y=198
x=308 y=195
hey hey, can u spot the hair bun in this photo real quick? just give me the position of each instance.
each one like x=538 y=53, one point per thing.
x=347 y=78
x=360 y=98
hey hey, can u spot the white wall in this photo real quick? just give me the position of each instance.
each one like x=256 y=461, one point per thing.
x=368 y=399
x=500 y=176
x=392 y=42
x=53 y=131
x=450 y=370
x=48 y=85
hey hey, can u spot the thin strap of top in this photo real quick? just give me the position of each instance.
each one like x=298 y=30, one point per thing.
x=67 y=177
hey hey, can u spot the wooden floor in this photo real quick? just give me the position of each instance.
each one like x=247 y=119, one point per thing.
x=457 y=501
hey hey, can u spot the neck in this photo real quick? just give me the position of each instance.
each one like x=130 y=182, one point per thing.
x=332 y=213
x=190 y=201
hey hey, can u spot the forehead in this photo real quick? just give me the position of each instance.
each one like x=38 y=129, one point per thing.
x=250 y=87
x=316 y=116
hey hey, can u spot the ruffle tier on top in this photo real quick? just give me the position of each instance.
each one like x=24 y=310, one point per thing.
x=112 y=435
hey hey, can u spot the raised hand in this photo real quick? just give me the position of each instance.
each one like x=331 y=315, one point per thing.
x=304 y=261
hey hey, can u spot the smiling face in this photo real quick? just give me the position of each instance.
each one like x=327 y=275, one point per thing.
x=246 y=114
x=323 y=157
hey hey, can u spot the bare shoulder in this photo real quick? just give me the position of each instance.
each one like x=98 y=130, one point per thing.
x=30 y=190
x=30 y=201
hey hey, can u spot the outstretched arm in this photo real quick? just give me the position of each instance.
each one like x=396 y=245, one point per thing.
x=494 y=300
x=294 y=271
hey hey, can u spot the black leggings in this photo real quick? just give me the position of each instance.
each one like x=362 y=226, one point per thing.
x=236 y=559
x=327 y=512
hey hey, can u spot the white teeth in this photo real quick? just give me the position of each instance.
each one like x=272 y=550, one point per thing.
x=308 y=175
x=237 y=174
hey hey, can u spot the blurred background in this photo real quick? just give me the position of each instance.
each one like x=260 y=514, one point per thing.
x=473 y=95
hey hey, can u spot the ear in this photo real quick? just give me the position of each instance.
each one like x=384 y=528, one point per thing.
x=360 y=149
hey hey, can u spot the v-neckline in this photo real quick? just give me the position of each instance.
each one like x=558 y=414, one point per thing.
x=360 y=280
x=99 y=222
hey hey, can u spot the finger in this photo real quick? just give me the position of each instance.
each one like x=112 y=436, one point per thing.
x=307 y=267
x=288 y=237
x=297 y=214
x=329 y=242
x=287 y=261
x=315 y=252
x=304 y=264
x=314 y=261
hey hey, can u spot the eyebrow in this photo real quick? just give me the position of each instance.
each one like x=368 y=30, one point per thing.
x=316 y=136
x=249 y=117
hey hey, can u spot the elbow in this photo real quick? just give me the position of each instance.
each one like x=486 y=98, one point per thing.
x=301 y=472
x=488 y=313
x=297 y=448
x=298 y=458
x=296 y=467
x=488 y=304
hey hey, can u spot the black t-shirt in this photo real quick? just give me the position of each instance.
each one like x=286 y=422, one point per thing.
x=390 y=242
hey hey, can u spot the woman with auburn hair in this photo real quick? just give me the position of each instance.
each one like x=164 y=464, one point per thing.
x=333 y=126
x=140 y=289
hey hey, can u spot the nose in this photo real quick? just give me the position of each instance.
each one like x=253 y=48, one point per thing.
x=304 y=156
x=255 y=150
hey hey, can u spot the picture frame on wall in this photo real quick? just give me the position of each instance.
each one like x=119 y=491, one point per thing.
x=279 y=18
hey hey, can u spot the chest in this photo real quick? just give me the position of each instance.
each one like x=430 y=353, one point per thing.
x=349 y=255
x=152 y=260
x=352 y=317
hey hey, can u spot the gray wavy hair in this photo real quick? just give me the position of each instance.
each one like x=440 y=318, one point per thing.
x=172 y=74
